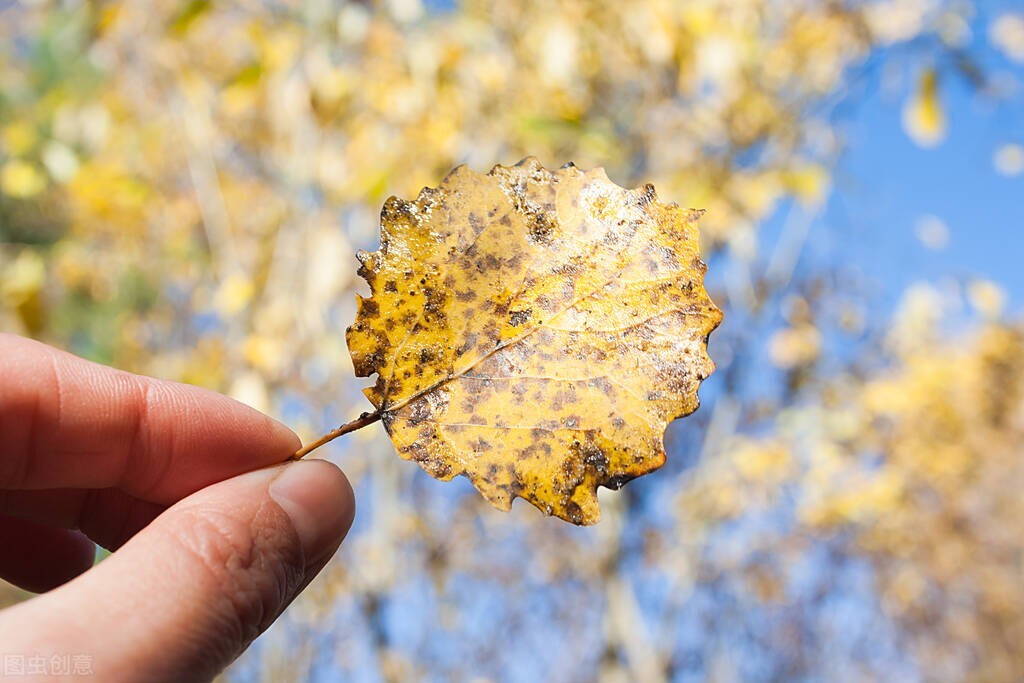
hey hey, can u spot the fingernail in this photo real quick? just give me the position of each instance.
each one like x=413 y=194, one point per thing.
x=318 y=499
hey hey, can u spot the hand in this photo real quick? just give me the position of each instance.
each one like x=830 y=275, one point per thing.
x=209 y=548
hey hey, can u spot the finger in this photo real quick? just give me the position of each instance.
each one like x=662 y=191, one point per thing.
x=107 y=516
x=39 y=558
x=189 y=592
x=70 y=423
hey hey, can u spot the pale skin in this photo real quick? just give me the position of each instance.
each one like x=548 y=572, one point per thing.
x=212 y=537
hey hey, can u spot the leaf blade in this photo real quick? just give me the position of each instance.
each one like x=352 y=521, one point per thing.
x=562 y=322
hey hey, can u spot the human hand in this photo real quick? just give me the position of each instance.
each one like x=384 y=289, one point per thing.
x=209 y=549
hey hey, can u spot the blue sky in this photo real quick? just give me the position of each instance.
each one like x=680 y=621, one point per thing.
x=886 y=184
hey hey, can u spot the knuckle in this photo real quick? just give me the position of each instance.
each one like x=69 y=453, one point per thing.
x=252 y=567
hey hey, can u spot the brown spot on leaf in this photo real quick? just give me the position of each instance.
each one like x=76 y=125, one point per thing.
x=540 y=228
x=517 y=318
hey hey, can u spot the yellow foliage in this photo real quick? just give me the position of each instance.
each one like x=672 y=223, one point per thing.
x=919 y=467
x=534 y=331
x=18 y=138
x=267 y=354
x=110 y=197
x=924 y=119
x=21 y=285
x=808 y=183
x=770 y=462
x=793 y=347
x=233 y=295
x=21 y=179
x=987 y=298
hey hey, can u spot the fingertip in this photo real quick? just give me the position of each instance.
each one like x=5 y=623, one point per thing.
x=274 y=439
x=318 y=500
x=237 y=421
x=273 y=435
x=281 y=435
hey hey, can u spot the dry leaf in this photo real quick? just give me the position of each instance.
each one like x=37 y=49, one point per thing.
x=534 y=331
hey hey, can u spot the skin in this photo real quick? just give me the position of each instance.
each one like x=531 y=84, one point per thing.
x=213 y=538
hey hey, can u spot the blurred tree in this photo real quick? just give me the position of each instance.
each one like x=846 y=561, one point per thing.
x=916 y=467
x=182 y=186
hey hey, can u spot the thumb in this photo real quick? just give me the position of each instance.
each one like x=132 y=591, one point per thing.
x=189 y=592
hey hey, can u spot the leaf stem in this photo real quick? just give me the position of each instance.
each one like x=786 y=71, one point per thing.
x=358 y=423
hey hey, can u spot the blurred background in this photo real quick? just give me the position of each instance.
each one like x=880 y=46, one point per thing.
x=183 y=185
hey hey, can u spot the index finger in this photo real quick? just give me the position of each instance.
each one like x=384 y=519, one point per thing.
x=68 y=423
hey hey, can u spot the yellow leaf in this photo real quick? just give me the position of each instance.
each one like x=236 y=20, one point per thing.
x=986 y=297
x=923 y=117
x=809 y=183
x=793 y=347
x=265 y=353
x=22 y=278
x=18 y=137
x=534 y=331
x=233 y=295
x=21 y=289
x=21 y=179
